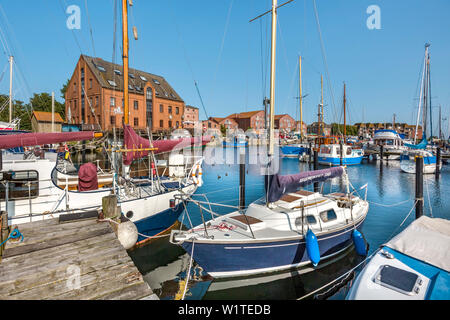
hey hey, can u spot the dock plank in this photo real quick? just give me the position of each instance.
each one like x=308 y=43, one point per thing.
x=58 y=240
x=37 y=268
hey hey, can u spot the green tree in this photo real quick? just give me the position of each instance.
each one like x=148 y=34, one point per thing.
x=43 y=102
x=64 y=89
x=20 y=110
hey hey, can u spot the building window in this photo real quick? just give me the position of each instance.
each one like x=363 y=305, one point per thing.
x=177 y=110
x=178 y=124
x=161 y=108
x=170 y=124
x=112 y=83
x=113 y=101
x=149 y=93
x=74 y=87
x=136 y=105
x=136 y=122
x=170 y=109
x=161 y=123
x=90 y=83
x=96 y=100
x=113 y=120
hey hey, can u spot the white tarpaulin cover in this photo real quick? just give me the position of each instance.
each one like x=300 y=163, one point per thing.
x=426 y=239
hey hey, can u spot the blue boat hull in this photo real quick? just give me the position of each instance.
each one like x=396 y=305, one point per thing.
x=159 y=222
x=239 y=259
x=337 y=161
x=291 y=151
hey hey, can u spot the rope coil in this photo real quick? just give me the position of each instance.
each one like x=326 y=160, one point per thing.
x=15 y=234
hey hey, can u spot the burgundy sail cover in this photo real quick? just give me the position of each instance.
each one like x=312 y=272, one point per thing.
x=40 y=138
x=87 y=177
x=133 y=141
x=280 y=185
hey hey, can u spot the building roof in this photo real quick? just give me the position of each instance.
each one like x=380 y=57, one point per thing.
x=279 y=116
x=44 y=116
x=192 y=107
x=108 y=73
x=244 y=115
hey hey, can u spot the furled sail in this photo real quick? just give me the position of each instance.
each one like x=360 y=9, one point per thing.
x=421 y=145
x=134 y=142
x=40 y=138
x=280 y=185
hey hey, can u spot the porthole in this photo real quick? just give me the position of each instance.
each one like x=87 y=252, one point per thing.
x=129 y=214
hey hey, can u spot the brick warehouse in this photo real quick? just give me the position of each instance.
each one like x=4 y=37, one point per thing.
x=94 y=95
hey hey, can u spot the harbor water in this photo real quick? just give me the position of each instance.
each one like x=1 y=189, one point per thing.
x=391 y=195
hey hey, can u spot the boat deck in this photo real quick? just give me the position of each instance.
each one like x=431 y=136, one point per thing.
x=65 y=259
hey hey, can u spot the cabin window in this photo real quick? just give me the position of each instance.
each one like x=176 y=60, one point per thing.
x=327 y=216
x=326 y=150
x=22 y=184
x=349 y=151
x=308 y=220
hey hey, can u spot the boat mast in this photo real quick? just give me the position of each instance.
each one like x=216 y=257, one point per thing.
x=10 y=88
x=345 y=121
x=125 y=59
x=272 y=76
x=301 y=98
x=422 y=91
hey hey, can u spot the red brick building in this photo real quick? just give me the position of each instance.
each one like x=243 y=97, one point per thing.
x=304 y=127
x=284 y=122
x=94 y=95
x=190 y=117
x=249 y=120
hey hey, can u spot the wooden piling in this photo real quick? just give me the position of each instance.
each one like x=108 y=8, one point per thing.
x=316 y=167
x=438 y=162
x=4 y=229
x=109 y=207
x=419 y=186
x=242 y=179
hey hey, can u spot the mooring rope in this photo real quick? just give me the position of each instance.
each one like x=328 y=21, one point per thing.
x=13 y=235
x=189 y=270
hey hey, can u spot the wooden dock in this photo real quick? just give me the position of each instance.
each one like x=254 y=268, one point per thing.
x=79 y=259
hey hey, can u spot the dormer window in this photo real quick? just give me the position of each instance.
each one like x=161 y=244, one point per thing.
x=156 y=81
x=112 y=83
x=132 y=76
x=143 y=78
x=99 y=67
x=117 y=72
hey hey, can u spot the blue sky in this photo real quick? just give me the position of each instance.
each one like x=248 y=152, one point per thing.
x=213 y=43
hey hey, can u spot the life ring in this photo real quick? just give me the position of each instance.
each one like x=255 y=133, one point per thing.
x=197 y=176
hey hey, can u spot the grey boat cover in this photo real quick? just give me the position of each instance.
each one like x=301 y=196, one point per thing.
x=280 y=185
x=426 y=239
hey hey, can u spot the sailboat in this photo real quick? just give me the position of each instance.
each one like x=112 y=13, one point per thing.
x=296 y=150
x=335 y=154
x=288 y=228
x=408 y=158
x=32 y=188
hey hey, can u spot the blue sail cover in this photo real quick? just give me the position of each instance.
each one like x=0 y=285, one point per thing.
x=280 y=185
x=421 y=145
